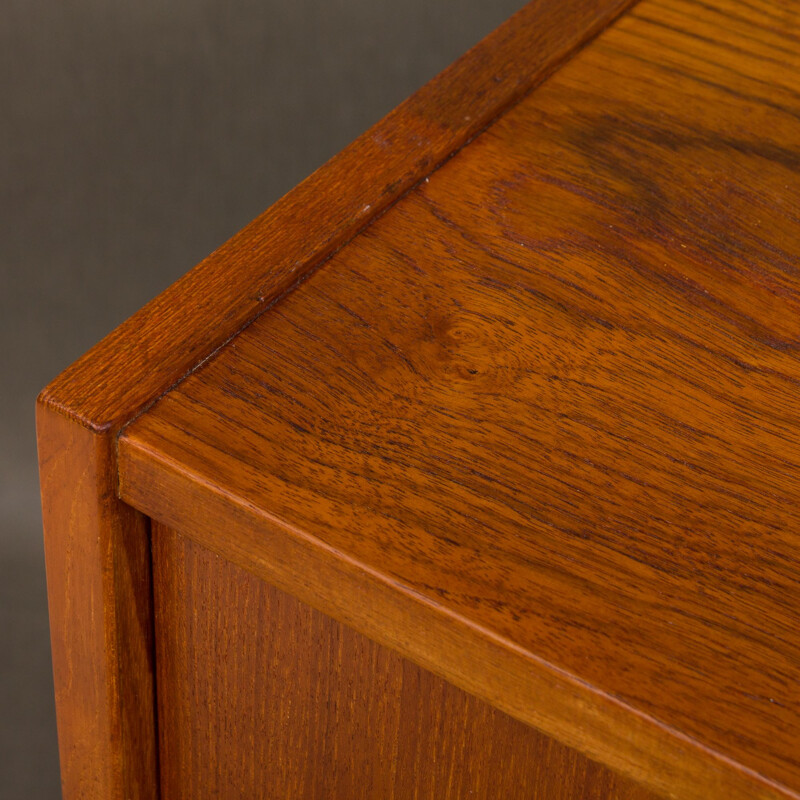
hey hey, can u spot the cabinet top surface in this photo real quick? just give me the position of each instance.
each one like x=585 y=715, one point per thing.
x=554 y=388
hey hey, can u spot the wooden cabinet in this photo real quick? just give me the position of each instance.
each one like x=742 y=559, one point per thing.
x=471 y=468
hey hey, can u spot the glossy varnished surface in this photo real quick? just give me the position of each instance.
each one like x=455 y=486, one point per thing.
x=175 y=331
x=261 y=696
x=97 y=548
x=553 y=393
x=97 y=556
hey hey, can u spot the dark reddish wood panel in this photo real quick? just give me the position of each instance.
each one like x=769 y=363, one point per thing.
x=550 y=399
x=261 y=696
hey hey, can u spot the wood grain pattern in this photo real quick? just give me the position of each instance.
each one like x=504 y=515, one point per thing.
x=223 y=293
x=97 y=557
x=97 y=562
x=545 y=410
x=261 y=696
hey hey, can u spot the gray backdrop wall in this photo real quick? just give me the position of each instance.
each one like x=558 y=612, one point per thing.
x=135 y=137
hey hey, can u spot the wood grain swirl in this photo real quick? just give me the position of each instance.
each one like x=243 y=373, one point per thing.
x=272 y=254
x=97 y=548
x=552 y=394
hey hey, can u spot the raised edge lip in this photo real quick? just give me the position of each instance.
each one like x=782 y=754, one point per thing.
x=579 y=24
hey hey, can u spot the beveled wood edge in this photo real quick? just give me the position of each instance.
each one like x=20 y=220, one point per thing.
x=97 y=548
x=200 y=312
x=457 y=649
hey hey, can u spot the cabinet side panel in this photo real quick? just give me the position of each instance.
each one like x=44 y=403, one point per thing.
x=259 y=695
x=100 y=598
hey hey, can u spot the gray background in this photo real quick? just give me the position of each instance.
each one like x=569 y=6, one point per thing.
x=135 y=137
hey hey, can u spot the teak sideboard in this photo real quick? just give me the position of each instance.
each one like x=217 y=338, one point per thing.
x=471 y=468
